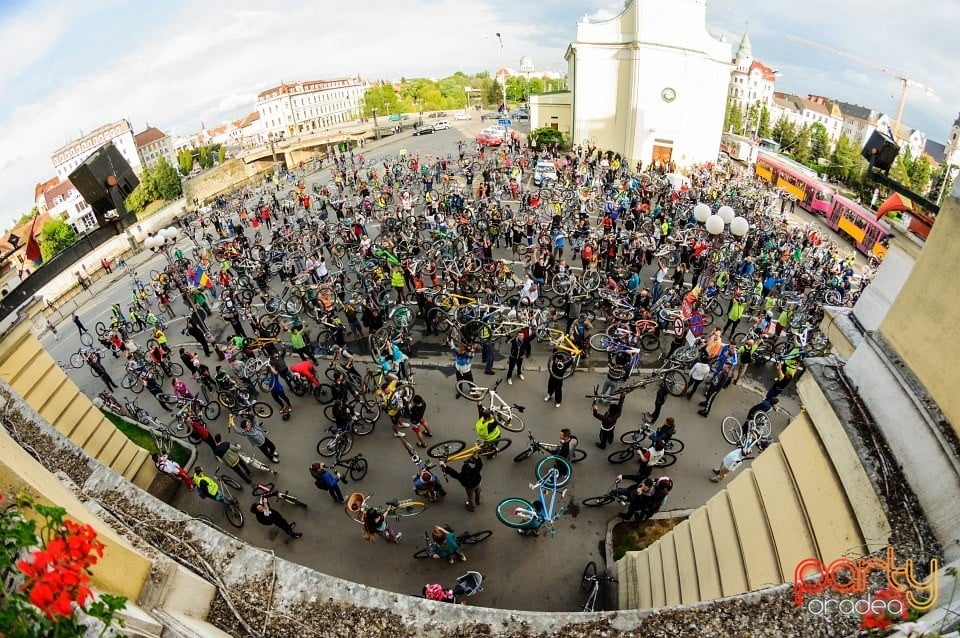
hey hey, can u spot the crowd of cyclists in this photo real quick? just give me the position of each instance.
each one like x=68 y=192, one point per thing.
x=606 y=266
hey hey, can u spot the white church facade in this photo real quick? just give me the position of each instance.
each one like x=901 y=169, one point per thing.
x=650 y=83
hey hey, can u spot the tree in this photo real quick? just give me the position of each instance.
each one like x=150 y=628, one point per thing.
x=914 y=173
x=819 y=141
x=167 y=181
x=517 y=88
x=800 y=150
x=752 y=121
x=936 y=182
x=491 y=91
x=764 y=129
x=845 y=163
x=535 y=86
x=56 y=236
x=546 y=136
x=733 y=123
x=136 y=201
x=221 y=154
x=185 y=160
x=27 y=217
x=204 y=156
x=784 y=132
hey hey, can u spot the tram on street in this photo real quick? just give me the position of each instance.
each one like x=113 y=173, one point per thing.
x=811 y=192
x=859 y=224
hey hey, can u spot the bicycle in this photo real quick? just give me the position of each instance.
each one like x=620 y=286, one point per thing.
x=355 y=467
x=567 y=351
x=669 y=373
x=736 y=433
x=615 y=494
x=180 y=430
x=463 y=538
x=397 y=508
x=635 y=438
x=364 y=418
x=552 y=473
x=503 y=412
x=591 y=582
x=546 y=448
x=268 y=490
x=336 y=444
x=622 y=456
x=231 y=506
x=456 y=450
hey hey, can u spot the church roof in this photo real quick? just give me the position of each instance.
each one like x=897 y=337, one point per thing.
x=745 y=48
x=935 y=150
x=767 y=72
x=956 y=122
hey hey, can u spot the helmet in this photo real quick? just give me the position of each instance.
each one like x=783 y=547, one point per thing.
x=769 y=314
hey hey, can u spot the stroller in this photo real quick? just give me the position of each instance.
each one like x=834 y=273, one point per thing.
x=467 y=585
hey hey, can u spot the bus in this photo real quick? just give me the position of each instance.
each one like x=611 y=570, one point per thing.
x=736 y=146
x=801 y=182
x=859 y=224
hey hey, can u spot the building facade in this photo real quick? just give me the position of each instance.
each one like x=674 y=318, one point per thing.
x=813 y=109
x=751 y=81
x=152 y=144
x=300 y=107
x=859 y=122
x=906 y=136
x=650 y=83
x=68 y=157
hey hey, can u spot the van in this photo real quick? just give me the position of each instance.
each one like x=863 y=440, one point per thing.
x=441 y=124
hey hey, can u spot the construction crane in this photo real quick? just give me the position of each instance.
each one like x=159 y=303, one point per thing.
x=903 y=79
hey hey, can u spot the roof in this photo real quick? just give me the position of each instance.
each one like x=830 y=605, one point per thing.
x=148 y=136
x=51 y=194
x=745 y=48
x=41 y=188
x=765 y=70
x=856 y=111
x=250 y=119
x=816 y=107
x=21 y=233
x=308 y=85
x=935 y=150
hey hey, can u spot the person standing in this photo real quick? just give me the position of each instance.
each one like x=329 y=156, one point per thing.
x=618 y=371
x=266 y=516
x=737 y=307
x=258 y=437
x=558 y=369
x=327 y=480
x=298 y=342
x=718 y=382
x=658 y=402
x=231 y=458
x=734 y=459
x=418 y=422
x=462 y=362
x=639 y=495
x=650 y=457
x=488 y=356
x=469 y=477
x=195 y=329
x=277 y=392
x=698 y=373
x=517 y=350
x=608 y=420
x=93 y=360
x=79 y=324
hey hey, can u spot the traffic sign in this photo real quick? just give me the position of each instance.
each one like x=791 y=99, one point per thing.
x=678 y=327
x=504 y=122
x=696 y=324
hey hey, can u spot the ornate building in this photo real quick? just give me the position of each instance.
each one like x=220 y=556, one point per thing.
x=751 y=81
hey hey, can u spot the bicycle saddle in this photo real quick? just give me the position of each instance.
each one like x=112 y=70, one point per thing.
x=519 y=408
x=393 y=503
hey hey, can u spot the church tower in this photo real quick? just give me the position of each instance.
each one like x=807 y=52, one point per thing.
x=951 y=151
x=744 y=55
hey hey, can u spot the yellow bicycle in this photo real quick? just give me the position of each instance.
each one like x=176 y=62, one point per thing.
x=456 y=450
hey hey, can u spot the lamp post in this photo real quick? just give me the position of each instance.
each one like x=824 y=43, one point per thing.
x=504 y=87
x=163 y=242
x=716 y=225
x=376 y=126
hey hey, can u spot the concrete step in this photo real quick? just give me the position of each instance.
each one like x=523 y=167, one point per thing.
x=686 y=563
x=726 y=546
x=759 y=555
x=705 y=557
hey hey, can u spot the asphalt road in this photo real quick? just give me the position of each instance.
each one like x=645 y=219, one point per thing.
x=526 y=573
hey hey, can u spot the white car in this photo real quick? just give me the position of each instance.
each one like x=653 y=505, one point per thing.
x=441 y=125
x=462 y=116
x=544 y=171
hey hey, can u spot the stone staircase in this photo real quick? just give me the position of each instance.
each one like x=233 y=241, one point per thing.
x=806 y=496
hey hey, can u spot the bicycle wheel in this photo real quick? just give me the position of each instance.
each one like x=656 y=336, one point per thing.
x=77 y=360
x=470 y=390
x=589 y=576
x=649 y=341
x=230 y=482
x=762 y=422
x=426 y=552
x=566 y=364
x=408 y=508
x=262 y=410
x=523 y=455
x=674 y=446
x=369 y=411
x=602 y=342
x=175 y=369
x=361 y=427
x=323 y=393
x=666 y=460
x=445 y=449
x=597 y=501
x=211 y=411
x=620 y=456
x=732 y=430
x=515 y=512
x=234 y=514
x=86 y=338
x=508 y=420
x=632 y=437
x=476 y=537
x=501 y=445
x=227 y=399
x=358 y=468
x=101 y=329
x=578 y=455
x=563 y=472
x=179 y=429
x=676 y=382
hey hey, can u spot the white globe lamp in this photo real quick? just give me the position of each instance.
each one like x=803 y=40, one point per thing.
x=701 y=212
x=739 y=226
x=726 y=214
x=714 y=225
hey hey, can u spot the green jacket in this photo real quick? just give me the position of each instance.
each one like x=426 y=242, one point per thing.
x=736 y=310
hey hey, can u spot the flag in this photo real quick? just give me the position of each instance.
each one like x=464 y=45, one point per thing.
x=205 y=281
x=197 y=278
x=33 y=248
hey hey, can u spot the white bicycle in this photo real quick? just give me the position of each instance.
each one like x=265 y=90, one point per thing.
x=506 y=414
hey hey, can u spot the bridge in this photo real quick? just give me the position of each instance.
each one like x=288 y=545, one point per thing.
x=304 y=147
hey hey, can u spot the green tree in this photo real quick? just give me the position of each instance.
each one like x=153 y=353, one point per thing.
x=845 y=164
x=55 y=236
x=185 y=160
x=204 y=156
x=536 y=86
x=27 y=217
x=733 y=122
x=752 y=119
x=936 y=182
x=764 y=129
x=784 y=132
x=914 y=173
x=819 y=141
x=136 y=201
x=801 y=147
x=221 y=154
x=491 y=91
x=546 y=136
x=167 y=180
x=517 y=88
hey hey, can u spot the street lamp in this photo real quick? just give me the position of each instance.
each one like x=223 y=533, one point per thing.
x=716 y=225
x=504 y=87
x=163 y=242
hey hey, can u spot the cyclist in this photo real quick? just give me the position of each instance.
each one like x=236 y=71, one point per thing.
x=445 y=544
x=666 y=431
x=206 y=486
x=487 y=428
x=388 y=399
x=426 y=483
x=306 y=369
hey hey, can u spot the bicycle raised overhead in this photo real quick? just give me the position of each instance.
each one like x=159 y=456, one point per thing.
x=539 y=447
x=506 y=415
x=527 y=518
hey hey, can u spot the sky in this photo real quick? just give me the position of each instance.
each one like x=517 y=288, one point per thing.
x=67 y=67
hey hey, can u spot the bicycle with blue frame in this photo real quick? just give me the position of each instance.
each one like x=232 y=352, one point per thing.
x=553 y=473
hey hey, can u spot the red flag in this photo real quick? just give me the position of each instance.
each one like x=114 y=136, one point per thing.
x=33 y=248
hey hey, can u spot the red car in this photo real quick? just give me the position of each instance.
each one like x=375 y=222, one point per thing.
x=489 y=140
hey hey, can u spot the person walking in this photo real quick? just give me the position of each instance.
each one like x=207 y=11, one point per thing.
x=558 y=369
x=257 y=437
x=267 y=517
x=718 y=382
x=661 y=398
x=79 y=324
x=608 y=420
x=469 y=477
x=328 y=480
x=96 y=365
x=698 y=373
x=518 y=348
x=418 y=424
x=277 y=392
x=462 y=362
x=231 y=458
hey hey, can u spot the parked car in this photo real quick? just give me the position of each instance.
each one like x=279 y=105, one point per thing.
x=545 y=171
x=439 y=114
x=520 y=115
x=426 y=129
x=462 y=116
x=486 y=139
x=493 y=115
x=441 y=125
